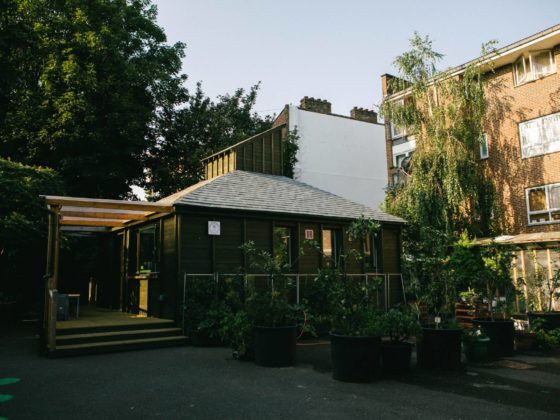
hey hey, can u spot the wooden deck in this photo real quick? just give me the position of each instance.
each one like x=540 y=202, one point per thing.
x=91 y=317
x=102 y=331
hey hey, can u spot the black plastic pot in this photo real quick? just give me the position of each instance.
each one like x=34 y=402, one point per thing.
x=501 y=333
x=355 y=359
x=396 y=357
x=440 y=349
x=551 y=319
x=275 y=346
x=202 y=338
x=476 y=350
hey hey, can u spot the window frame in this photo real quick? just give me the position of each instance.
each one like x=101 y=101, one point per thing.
x=292 y=244
x=530 y=74
x=539 y=121
x=549 y=211
x=336 y=246
x=483 y=139
x=394 y=134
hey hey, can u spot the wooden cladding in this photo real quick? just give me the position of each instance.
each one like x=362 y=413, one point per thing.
x=261 y=153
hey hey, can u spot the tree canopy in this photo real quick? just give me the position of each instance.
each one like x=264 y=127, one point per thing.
x=92 y=89
x=445 y=114
x=85 y=85
x=22 y=224
x=195 y=131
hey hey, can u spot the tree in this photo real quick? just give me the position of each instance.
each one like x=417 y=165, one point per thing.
x=447 y=189
x=23 y=225
x=86 y=86
x=195 y=131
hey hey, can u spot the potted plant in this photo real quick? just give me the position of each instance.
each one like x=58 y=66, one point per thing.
x=434 y=284
x=204 y=311
x=544 y=290
x=269 y=310
x=476 y=344
x=399 y=326
x=497 y=290
x=355 y=319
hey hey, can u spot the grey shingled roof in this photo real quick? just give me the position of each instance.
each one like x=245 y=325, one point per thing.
x=250 y=191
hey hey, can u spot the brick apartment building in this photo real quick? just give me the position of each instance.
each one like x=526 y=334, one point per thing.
x=520 y=149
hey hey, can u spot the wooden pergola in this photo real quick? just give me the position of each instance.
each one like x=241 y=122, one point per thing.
x=84 y=215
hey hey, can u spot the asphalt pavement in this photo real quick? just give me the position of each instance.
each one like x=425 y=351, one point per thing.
x=206 y=383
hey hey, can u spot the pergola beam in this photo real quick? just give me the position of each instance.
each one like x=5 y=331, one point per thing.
x=104 y=215
x=107 y=204
x=70 y=221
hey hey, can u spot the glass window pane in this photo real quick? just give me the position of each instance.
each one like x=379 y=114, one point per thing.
x=551 y=132
x=327 y=243
x=542 y=63
x=537 y=200
x=554 y=196
x=539 y=218
x=530 y=138
x=282 y=245
x=520 y=73
x=483 y=147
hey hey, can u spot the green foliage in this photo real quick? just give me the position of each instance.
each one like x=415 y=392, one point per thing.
x=399 y=325
x=445 y=114
x=542 y=289
x=267 y=302
x=429 y=277
x=92 y=89
x=237 y=330
x=485 y=272
x=88 y=88
x=23 y=224
x=290 y=148
x=198 y=129
x=546 y=339
x=349 y=302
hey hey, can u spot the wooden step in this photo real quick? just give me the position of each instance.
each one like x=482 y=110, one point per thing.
x=114 y=346
x=122 y=335
x=139 y=325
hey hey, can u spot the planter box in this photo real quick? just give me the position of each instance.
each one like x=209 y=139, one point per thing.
x=275 y=346
x=355 y=359
x=551 y=319
x=501 y=334
x=440 y=349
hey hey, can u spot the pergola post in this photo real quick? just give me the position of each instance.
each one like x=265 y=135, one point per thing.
x=52 y=272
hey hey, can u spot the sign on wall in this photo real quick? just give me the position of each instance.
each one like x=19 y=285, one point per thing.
x=309 y=234
x=213 y=227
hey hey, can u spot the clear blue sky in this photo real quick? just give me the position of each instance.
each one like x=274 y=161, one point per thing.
x=332 y=49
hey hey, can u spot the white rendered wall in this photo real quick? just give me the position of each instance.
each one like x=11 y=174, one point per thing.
x=343 y=156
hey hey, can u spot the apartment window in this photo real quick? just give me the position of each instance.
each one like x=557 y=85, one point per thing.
x=484 y=147
x=540 y=136
x=533 y=66
x=399 y=160
x=332 y=246
x=398 y=131
x=543 y=204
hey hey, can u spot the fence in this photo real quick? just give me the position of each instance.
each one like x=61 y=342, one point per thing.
x=388 y=288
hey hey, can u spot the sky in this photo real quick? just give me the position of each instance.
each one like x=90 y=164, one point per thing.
x=334 y=50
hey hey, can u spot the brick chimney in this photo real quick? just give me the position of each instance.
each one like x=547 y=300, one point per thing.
x=315 y=105
x=363 y=114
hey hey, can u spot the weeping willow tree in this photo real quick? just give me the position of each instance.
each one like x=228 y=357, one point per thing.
x=444 y=112
x=446 y=192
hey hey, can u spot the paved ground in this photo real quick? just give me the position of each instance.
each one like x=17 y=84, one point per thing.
x=195 y=383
